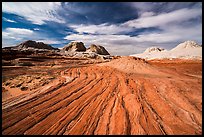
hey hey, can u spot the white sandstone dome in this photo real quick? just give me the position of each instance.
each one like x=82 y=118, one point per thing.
x=186 y=50
x=154 y=49
x=187 y=45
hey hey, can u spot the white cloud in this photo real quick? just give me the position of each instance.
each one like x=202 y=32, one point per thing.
x=36 y=29
x=49 y=41
x=142 y=6
x=12 y=36
x=16 y=33
x=163 y=19
x=101 y=29
x=20 y=31
x=97 y=39
x=169 y=33
x=117 y=40
x=126 y=45
x=8 y=20
x=147 y=14
x=36 y=12
x=171 y=25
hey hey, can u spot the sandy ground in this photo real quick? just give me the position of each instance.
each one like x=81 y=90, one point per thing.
x=123 y=96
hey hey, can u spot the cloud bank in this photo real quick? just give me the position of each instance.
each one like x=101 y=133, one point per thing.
x=121 y=31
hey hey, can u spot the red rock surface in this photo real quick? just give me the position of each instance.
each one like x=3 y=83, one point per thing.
x=124 y=96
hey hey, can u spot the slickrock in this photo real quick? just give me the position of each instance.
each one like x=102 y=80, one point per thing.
x=109 y=99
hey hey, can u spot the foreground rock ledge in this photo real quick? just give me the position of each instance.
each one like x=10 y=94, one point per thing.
x=110 y=99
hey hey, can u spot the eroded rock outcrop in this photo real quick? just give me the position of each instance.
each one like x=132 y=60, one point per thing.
x=75 y=46
x=35 y=45
x=186 y=50
x=154 y=49
x=98 y=49
x=187 y=45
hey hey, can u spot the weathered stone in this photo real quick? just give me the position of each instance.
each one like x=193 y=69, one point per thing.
x=98 y=49
x=75 y=46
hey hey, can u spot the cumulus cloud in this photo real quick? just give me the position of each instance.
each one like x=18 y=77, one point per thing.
x=160 y=7
x=49 y=41
x=16 y=33
x=36 y=12
x=173 y=33
x=164 y=19
x=172 y=25
x=137 y=44
x=104 y=28
x=147 y=14
x=142 y=7
x=99 y=39
x=11 y=36
x=159 y=24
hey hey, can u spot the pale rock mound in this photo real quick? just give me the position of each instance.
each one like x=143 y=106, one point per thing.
x=186 y=45
x=185 y=50
x=152 y=53
x=97 y=49
x=75 y=46
x=132 y=65
x=154 y=49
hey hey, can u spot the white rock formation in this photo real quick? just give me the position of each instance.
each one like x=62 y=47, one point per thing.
x=154 y=49
x=185 y=50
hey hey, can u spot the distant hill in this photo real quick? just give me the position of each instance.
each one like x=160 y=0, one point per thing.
x=33 y=44
x=74 y=46
x=79 y=47
x=97 y=49
x=154 y=49
x=185 y=50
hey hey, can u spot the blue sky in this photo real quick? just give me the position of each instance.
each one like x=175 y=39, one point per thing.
x=123 y=28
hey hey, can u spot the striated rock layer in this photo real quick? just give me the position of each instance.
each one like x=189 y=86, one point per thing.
x=102 y=100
